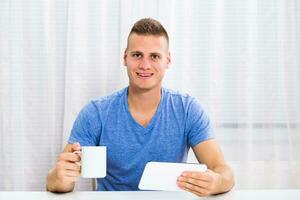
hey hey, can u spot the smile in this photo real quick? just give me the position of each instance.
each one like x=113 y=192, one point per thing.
x=144 y=75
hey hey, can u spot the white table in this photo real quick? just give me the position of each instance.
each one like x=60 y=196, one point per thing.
x=157 y=195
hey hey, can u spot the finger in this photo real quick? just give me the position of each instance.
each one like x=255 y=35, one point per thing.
x=73 y=179
x=77 y=153
x=76 y=146
x=70 y=179
x=193 y=188
x=67 y=175
x=72 y=173
x=72 y=166
x=62 y=166
x=195 y=192
x=203 y=176
x=197 y=182
x=71 y=157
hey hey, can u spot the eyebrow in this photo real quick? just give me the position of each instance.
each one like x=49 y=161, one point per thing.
x=155 y=53
x=139 y=52
x=136 y=52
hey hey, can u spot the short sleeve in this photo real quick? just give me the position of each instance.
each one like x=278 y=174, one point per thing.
x=87 y=126
x=198 y=126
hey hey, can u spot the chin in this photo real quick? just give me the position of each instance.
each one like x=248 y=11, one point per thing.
x=142 y=87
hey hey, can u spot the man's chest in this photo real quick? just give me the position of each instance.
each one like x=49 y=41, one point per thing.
x=142 y=118
x=127 y=144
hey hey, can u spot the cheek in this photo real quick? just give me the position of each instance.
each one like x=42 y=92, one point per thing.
x=162 y=72
x=161 y=68
x=130 y=70
x=132 y=64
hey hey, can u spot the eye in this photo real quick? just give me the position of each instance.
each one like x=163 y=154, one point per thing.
x=155 y=57
x=137 y=55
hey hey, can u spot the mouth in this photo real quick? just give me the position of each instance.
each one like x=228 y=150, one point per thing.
x=144 y=75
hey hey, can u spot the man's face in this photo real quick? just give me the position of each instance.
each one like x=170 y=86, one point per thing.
x=146 y=58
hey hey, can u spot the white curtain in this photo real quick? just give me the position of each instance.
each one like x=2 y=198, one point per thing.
x=239 y=58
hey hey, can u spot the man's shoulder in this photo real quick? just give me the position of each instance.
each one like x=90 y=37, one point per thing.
x=105 y=101
x=180 y=101
x=176 y=95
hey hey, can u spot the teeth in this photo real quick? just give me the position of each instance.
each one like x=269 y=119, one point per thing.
x=145 y=74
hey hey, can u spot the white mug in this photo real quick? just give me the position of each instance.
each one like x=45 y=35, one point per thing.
x=93 y=161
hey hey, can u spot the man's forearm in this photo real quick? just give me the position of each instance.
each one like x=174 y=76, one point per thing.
x=54 y=185
x=226 y=181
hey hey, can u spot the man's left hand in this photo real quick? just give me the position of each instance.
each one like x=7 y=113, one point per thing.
x=199 y=183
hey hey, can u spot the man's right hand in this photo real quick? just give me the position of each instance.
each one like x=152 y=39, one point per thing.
x=68 y=165
x=66 y=172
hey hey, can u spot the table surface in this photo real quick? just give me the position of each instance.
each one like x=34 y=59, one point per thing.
x=157 y=195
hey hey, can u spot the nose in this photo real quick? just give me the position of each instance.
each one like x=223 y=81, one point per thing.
x=145 y=64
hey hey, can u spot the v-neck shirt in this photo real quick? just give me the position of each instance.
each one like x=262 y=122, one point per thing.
x=135 y=125
x=178 y=124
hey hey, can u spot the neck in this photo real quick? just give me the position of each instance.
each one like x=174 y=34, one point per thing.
x=144 y=100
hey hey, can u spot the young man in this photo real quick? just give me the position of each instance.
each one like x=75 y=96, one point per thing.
x=144 y=122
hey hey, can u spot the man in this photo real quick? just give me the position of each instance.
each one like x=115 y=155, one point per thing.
x=144 y=122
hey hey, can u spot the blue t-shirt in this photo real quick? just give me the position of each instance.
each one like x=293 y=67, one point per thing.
x=178 y=124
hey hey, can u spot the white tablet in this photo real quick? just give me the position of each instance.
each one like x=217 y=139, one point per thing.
x=163 y=175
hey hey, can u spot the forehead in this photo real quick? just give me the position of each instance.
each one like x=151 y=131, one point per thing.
x=146 y=43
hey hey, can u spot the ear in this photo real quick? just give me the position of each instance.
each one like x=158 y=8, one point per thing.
x=168 y=59
x=125 y=57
